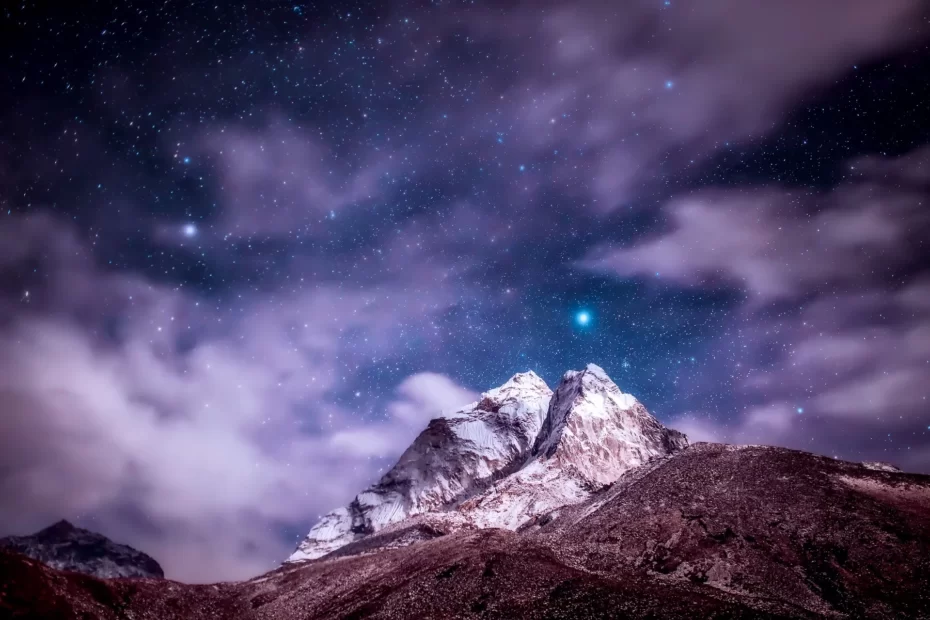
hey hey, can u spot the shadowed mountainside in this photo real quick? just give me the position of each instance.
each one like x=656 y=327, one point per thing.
x=66 y=547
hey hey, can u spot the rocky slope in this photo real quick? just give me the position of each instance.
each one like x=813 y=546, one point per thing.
x=830 y=537
x=66 y=547
x=455 y=456
x=711 y=531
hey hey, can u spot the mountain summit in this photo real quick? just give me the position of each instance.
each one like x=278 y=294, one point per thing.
x=600 y=432
x=517 y=453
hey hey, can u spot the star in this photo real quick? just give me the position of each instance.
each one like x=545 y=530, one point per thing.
x=583 y=318
x=189 y=230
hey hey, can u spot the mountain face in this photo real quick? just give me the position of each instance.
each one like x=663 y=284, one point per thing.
x=598 y=431
x=65 y=547
x=457 y=455
x=711 y=531
x=519 y=452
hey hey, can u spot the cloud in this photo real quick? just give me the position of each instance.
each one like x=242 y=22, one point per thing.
x=283 y=178
x=419 y=398
x=772 y=424
x=633 y=97
x=424 y=395
x=598 y=105
x=779 y=244
x=190 y=431
x=833 y=340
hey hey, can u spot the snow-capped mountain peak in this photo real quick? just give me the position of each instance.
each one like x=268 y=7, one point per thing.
x=457 y=455
x=592 y=434
x=597 y=430
x=519 y=452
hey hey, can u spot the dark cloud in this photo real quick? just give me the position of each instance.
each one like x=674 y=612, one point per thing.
x=834 y=344
x=638 y=95
x=786 y=243
x=281 y=179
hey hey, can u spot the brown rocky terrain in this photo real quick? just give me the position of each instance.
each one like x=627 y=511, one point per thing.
x=711 y=532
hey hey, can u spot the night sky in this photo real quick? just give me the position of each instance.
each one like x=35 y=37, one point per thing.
x=248 y=249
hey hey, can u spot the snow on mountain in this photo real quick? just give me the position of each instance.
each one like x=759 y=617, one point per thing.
x=65 y=547
x=517 y=454
x=455 y=456
x=592 y=434
x=597 y=430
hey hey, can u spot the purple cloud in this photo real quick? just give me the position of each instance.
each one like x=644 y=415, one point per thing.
x=659 y=89
x=778 y=244
x=830 y=351
x=285 y=179
x=215 y=441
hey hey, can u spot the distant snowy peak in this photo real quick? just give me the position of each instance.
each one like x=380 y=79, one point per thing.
x=457 y=455
x=595 y=429
x=65 y=547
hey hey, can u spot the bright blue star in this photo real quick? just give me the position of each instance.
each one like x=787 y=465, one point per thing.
x=187 y=160
x=522 y=167
x=669 y=84
x=800 y=409
x=190 y=230
x=583 y=318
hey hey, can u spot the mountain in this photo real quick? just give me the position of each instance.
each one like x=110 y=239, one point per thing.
x=65 y=547
x=711 y=531
x=592 y=434
x=517 y=453
x=572 y=504
x=455 y=456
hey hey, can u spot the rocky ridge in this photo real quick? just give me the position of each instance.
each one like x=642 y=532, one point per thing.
x=65 y=547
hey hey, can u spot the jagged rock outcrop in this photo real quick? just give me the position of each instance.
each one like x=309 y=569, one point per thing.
x=65 y=547
x=879 y=466
x=455 y=456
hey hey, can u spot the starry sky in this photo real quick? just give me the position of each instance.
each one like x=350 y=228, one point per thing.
x=248 y=249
